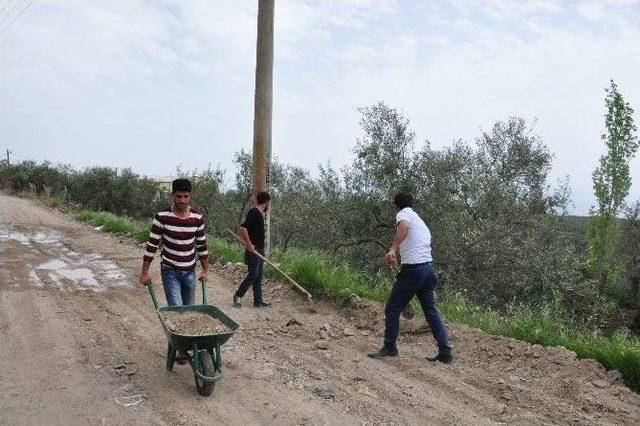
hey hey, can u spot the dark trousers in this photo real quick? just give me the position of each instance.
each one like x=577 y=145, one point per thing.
x=254 y=276
x=420 y=281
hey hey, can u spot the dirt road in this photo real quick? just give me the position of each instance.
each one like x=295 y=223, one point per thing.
x=77 y=337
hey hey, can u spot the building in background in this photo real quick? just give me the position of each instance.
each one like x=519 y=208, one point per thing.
x=164 y=182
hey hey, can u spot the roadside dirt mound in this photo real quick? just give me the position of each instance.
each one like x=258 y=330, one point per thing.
x=517 y=375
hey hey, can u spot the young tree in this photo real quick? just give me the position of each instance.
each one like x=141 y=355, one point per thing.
x=384 y=155
x=382 y=166
x=611 y=183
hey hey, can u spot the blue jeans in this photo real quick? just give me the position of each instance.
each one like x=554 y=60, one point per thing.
x=179 y=286
x=420 y=281
x=254 y=277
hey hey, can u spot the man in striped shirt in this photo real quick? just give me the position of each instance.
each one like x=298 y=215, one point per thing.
x=180 y=230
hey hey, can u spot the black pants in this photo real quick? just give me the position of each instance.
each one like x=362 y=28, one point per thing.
x=420 y=281
x=253 y=278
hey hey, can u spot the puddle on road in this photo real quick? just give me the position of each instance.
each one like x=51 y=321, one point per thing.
x=35 y=279
x=53 y=265
x=64 y=268
x=26 y=237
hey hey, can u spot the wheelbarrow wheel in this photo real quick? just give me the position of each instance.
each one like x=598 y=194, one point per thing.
x=206 y=369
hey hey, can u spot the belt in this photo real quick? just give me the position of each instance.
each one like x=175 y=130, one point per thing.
x=414 y=265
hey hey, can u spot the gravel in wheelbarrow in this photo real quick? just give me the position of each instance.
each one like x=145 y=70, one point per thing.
x=192 y=323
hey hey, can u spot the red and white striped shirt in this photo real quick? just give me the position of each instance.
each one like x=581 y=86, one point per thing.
x=181 y=238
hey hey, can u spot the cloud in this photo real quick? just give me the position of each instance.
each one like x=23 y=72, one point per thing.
x=153 y=84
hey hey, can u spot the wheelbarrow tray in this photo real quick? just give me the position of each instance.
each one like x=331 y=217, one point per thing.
x=186 y=342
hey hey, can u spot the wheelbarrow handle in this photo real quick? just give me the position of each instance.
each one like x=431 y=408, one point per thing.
x=152 y=294
x=204 y=292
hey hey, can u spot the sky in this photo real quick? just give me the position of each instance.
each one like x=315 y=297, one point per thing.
x=153 y=85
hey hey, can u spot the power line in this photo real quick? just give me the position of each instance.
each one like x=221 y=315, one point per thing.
x=9 y=12
x=5 y=6
x=7 y=154
x=16 y=155
x=25 y=22
x=16 y=17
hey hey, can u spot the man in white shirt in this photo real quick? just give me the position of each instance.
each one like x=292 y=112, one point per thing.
x=416 y=278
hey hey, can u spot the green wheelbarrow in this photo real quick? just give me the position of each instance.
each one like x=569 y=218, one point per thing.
x=202 y=351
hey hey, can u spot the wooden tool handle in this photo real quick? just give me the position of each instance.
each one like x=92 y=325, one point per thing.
x=280 y=271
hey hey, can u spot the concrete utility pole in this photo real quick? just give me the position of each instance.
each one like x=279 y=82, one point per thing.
x=263 y=103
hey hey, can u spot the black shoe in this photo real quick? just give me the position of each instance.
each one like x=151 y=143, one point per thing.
x=408 y=312
x=444 y=358
x=261 y=304
x=182 y=357
x=383 y=353
x=236 y=301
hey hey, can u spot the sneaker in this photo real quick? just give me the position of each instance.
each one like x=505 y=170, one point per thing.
x=444 y=358
x=383 y=353
x=182 y=357
x=261 y=304
x=236 y=301
x=408 y=312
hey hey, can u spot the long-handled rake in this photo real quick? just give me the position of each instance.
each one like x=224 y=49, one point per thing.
x=280 y=271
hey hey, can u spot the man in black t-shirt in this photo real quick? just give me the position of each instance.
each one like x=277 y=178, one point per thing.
x=252 y=233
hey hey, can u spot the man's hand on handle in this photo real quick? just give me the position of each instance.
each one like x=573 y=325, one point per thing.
x=144 y=278
x=391 y=259
x=203 y=276
x=144 y=274
x=401 y=234
x=248 y=245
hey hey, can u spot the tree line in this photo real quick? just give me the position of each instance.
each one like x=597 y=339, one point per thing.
x=501 y=234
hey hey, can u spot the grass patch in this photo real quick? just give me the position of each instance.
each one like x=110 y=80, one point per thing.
x=115 y=224
x=224 y=250
x=320 y=274
x=314 y=270
x=620 y=352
